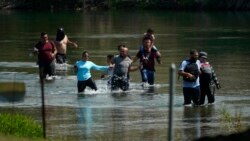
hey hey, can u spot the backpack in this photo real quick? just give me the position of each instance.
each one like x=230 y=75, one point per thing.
x=192 y=68
x=206 y=73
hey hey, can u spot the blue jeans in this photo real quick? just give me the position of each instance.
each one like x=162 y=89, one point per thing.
x=148 y=76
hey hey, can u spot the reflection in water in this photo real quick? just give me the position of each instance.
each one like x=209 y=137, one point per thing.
x=195 y=120
x=148 y=93
x=149 y=90
x=85 y=121
x=118 y=116
x=85 y=117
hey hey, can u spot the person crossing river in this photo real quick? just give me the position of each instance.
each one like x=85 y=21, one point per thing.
x=82 y=69
x=122 y=67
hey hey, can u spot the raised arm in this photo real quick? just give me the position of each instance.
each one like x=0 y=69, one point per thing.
x=72 y=43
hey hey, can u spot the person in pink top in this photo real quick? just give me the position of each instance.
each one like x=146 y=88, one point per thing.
x=208 y=80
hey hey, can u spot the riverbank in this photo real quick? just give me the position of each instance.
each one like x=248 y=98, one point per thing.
x=176 y=5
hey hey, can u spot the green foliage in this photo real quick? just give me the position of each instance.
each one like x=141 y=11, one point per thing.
x=230 y=123
x=19 y=125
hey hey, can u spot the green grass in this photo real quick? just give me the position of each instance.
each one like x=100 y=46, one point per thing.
x=230 y=123
x=20 y=126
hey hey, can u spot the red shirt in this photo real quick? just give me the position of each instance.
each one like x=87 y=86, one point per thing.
x=147 y=58
x=44 y=51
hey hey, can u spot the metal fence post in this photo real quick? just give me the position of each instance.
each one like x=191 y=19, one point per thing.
x=43 y=105
x=171 y=97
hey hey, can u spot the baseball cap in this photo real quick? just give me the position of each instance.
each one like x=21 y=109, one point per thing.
x=203 y=54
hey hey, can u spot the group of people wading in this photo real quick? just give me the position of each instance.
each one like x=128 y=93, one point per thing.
x=119 y=66
x=51 y=52
x=198 y=75
x=199 y=79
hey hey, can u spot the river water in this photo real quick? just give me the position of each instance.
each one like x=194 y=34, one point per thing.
x=140 y=113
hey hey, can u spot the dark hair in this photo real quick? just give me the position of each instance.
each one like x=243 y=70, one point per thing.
x=120 y=46
x=110 y=56
x=84 y=52
x=43 y=33
x=150 y=31
x=147 y=37
x=193 y=51
x=60 y=34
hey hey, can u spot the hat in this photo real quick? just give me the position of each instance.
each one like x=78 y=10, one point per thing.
x=60 y=29
x=203 y=54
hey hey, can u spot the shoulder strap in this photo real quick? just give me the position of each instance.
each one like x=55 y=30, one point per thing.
x=141 y=48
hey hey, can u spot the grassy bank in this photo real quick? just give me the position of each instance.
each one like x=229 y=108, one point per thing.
x=13 y=138
x=20 y=126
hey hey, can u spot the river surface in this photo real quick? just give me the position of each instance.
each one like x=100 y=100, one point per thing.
x=140 y=113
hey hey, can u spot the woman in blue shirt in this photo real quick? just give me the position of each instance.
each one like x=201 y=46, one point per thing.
x=82 y=69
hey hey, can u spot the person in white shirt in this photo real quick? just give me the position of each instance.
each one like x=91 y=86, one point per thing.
x=190 y=70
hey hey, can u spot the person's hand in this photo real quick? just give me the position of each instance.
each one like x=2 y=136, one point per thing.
x=158 y=59
x=53 y=55
x=111 y=66
x=218 y=85
x=102 y=75
x=35 y=51
x=189 y=75
x=140 y=66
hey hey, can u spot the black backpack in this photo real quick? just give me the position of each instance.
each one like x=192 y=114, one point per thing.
x=192 y=68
